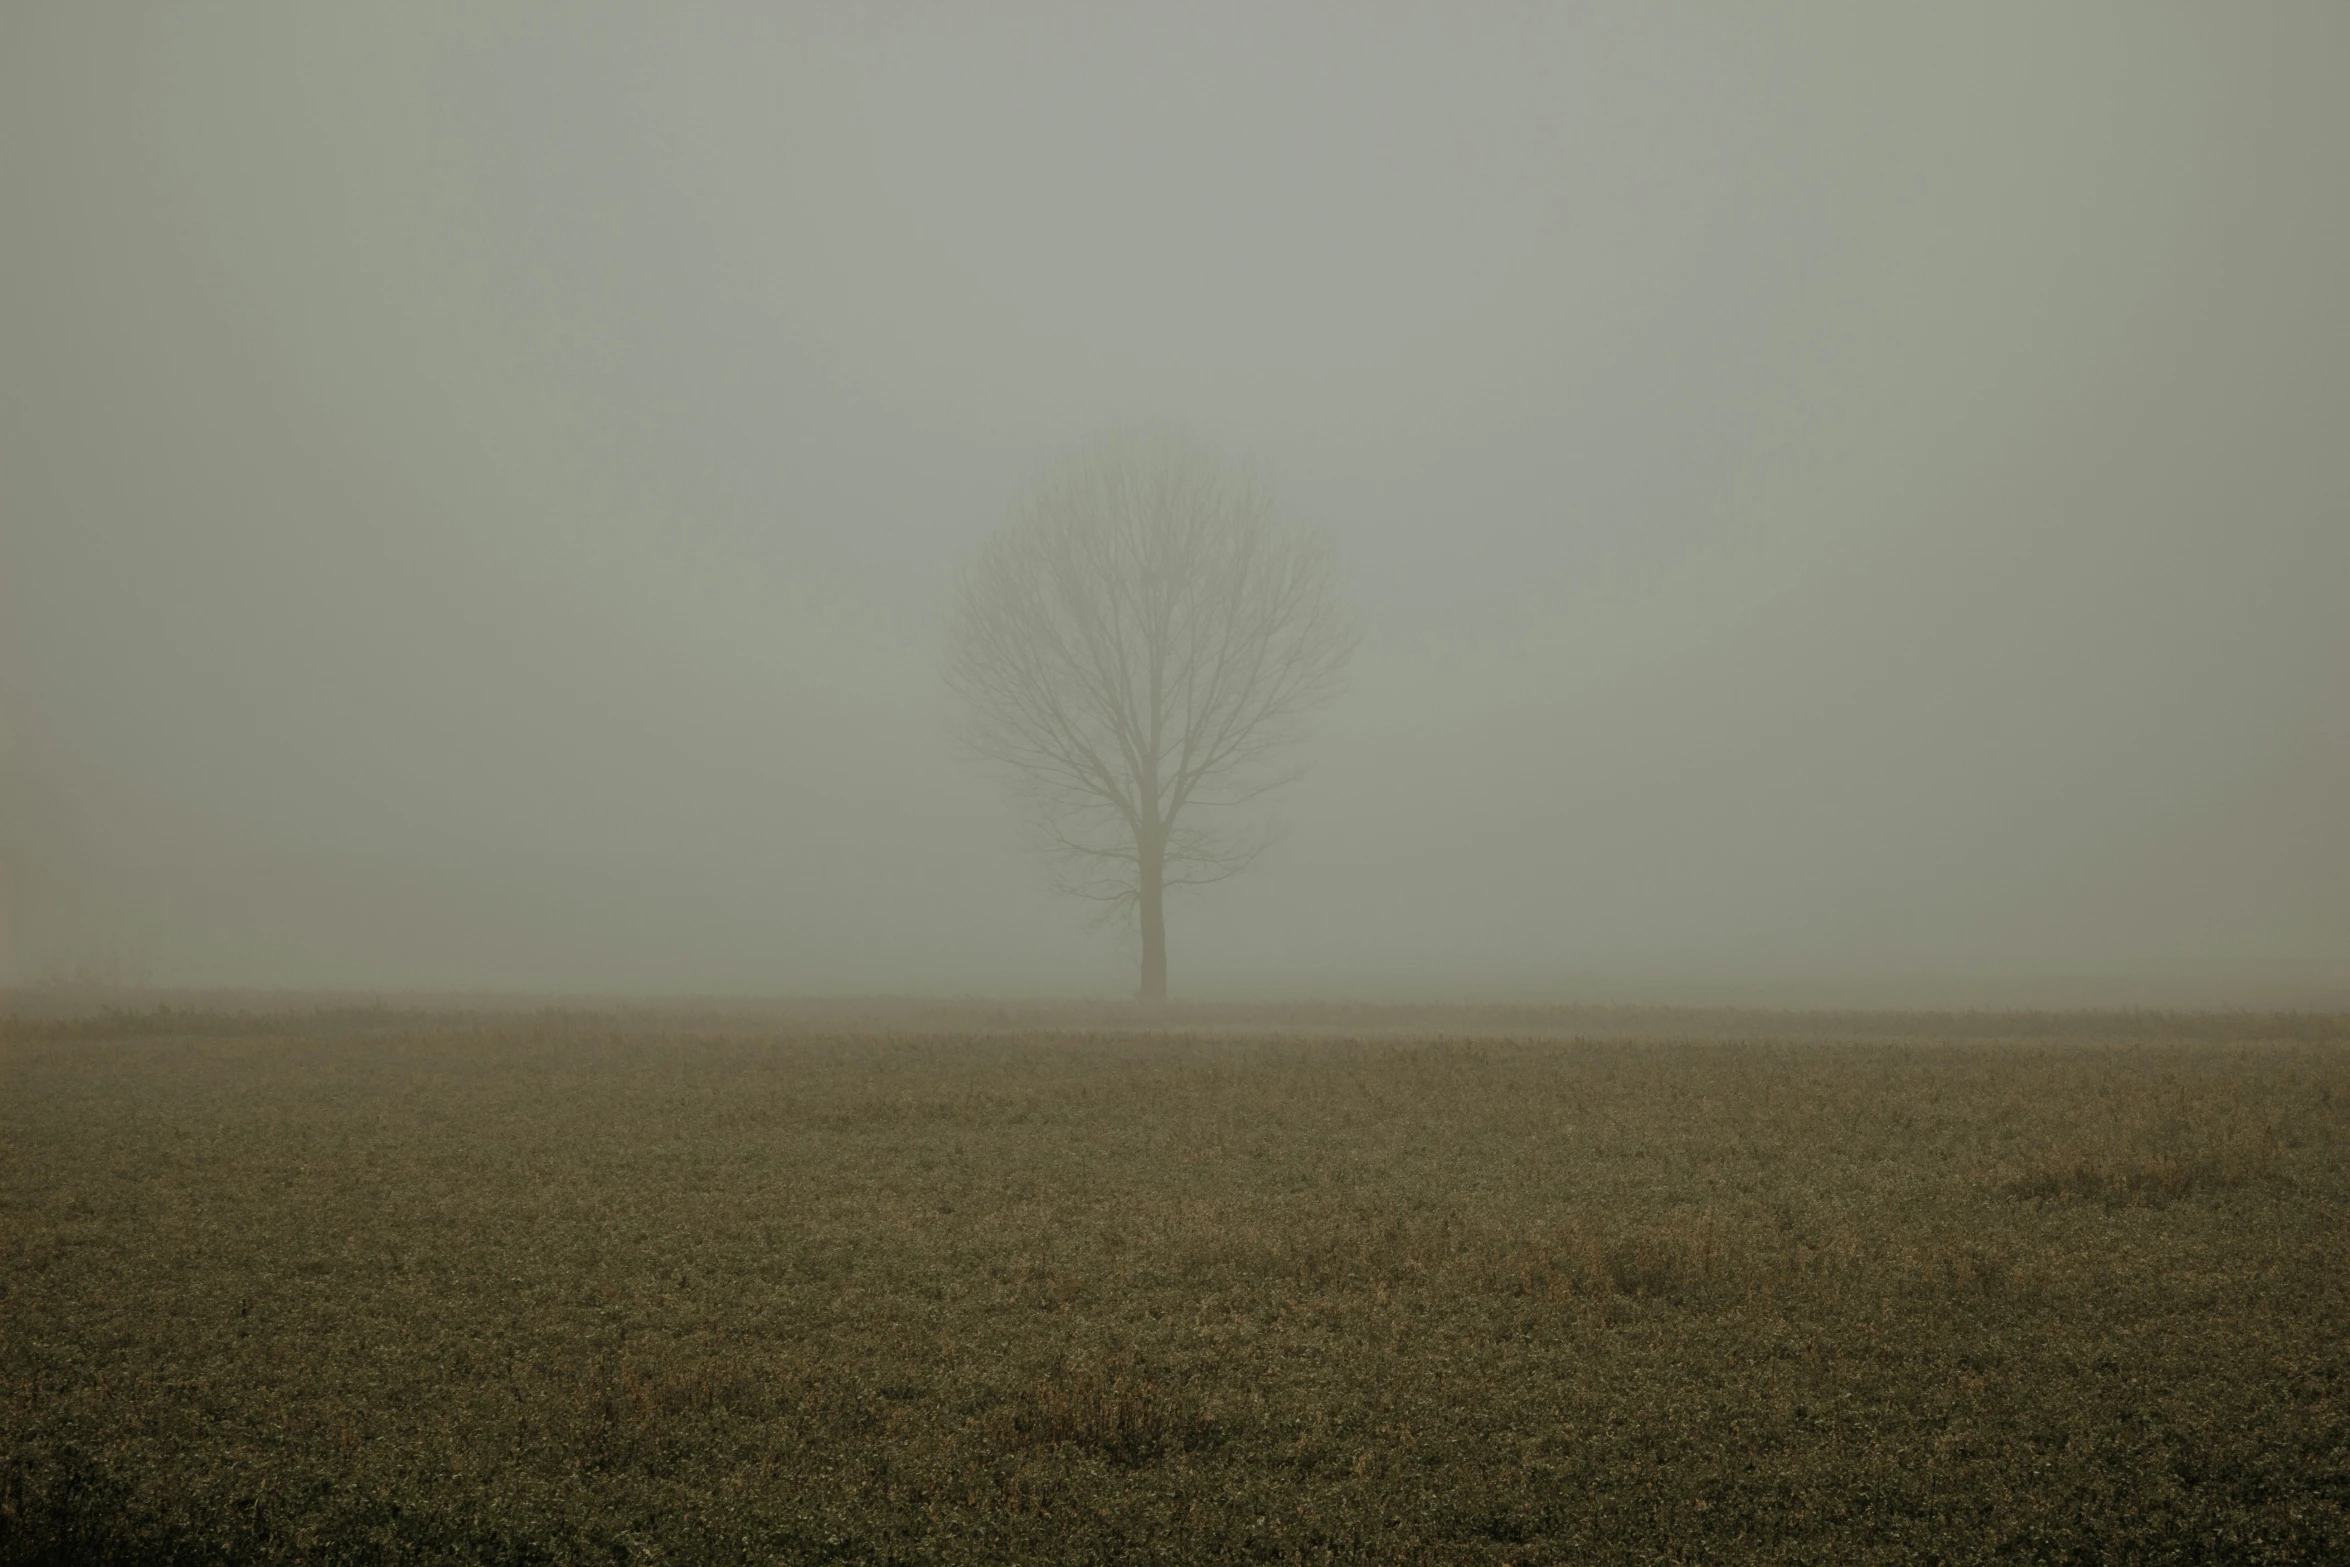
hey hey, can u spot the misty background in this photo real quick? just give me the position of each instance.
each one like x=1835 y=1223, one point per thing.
x=1847 y=503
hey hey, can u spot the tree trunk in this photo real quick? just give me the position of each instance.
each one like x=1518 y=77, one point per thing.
x=1152 y=893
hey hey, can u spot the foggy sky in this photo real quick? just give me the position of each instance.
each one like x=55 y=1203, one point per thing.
x=1845 y=502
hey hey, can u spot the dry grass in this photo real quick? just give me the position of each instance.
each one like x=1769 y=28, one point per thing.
x=634 y=1288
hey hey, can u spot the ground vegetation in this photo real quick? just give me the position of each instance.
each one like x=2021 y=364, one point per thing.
x=566 y=1287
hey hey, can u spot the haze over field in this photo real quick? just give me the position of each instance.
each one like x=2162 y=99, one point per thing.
x=1842 y=505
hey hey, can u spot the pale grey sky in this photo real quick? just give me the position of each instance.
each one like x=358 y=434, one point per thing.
x=1844 y=500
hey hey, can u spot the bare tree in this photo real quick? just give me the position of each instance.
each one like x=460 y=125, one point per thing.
x=1139 y=649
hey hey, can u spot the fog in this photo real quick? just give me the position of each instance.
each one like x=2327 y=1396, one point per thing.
x=1843 y=503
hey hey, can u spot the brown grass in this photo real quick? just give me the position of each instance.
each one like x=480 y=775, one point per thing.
x=556 y=1287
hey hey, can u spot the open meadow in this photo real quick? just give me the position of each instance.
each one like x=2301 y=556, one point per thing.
x=938 y=1283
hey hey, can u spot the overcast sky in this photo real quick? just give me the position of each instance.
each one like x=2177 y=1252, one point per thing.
x=1846 y=502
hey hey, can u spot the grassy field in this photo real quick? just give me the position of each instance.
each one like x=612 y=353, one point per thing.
x=1001 y=1284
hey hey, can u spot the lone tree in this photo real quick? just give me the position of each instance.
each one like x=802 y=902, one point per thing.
x=1138 y=649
